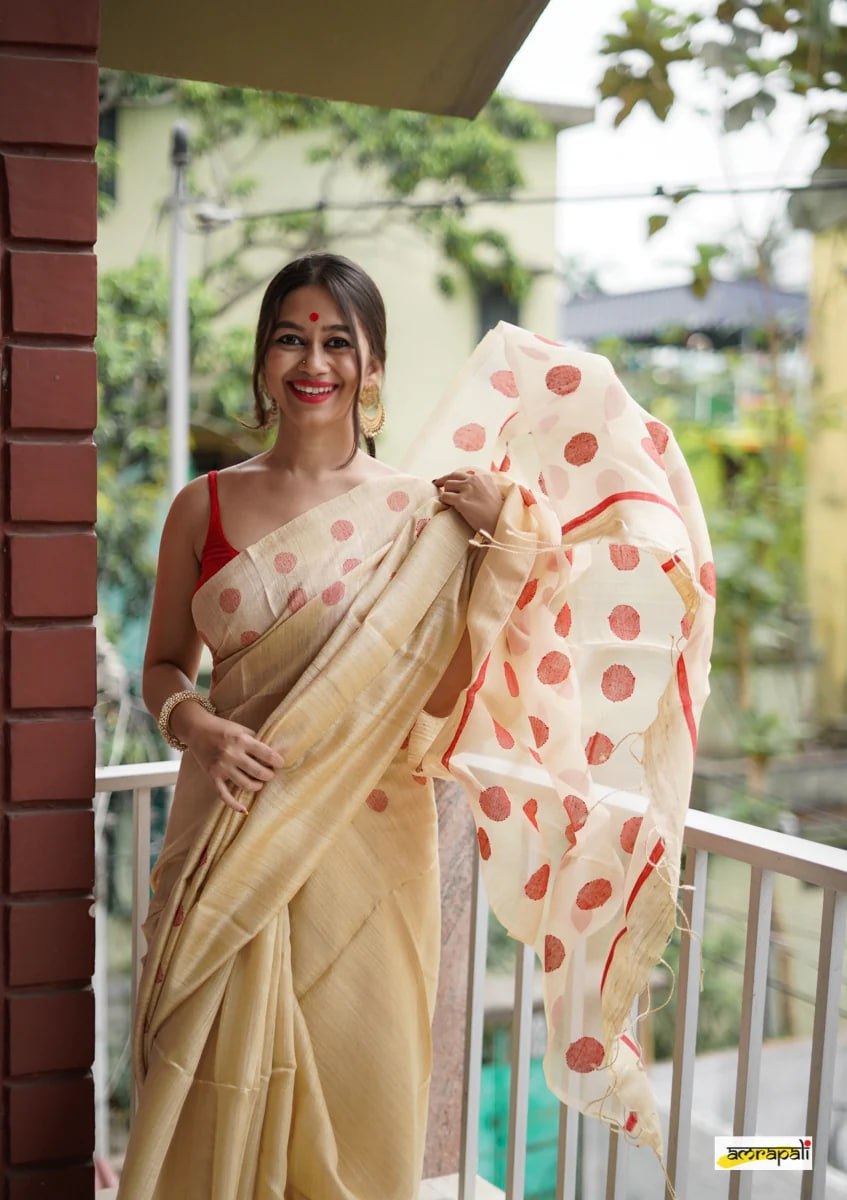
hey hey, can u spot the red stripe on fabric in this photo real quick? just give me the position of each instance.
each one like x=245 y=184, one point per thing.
x=469 y=702
x=655 y=854
x=670 y=564
x=615 y=498
x=611 y=955
x=685 y=697
x=629 y=1042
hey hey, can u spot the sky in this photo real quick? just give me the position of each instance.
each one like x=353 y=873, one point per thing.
x=560 y=62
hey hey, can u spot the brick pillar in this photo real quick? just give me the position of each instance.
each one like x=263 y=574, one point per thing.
x=48 y=215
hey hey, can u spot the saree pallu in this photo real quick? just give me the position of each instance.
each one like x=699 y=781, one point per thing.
x=282 y=1040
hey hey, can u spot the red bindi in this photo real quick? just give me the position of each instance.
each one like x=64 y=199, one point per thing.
x=314 y=317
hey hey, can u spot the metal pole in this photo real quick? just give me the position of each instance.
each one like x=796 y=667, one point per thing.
x=178 y=416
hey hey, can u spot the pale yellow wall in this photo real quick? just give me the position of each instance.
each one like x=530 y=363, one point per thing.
x=429 y=336
x=826 y=493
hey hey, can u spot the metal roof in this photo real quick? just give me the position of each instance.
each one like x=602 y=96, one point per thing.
x=727 y=311
x=434 y=56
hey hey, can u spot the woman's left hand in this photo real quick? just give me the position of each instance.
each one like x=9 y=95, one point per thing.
x=476 y=497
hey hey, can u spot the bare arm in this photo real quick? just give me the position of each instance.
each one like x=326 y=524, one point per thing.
x=230 y=753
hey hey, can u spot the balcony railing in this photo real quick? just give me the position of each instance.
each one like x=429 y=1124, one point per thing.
x=769 y=857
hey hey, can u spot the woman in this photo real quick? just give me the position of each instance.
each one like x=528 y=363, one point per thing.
x=367 y=628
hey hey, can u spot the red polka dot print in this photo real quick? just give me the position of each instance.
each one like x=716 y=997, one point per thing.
x=484 y=844
x=563 y=380
x=528 y=593
x=540 y=731
x=554 y=668
x=504 y=738
x=618 y=683
x=584 y=1055
x=349 y=565
x=504 y=381
x=659 y=434
x=527 y=496
x=562 y=625
x=420 y=525
x=593 y=894
x=708 y=581
x=397 y=501
x=506 y=463
x=531 y=811
x=296 y=600
x=377 y=800
x=554 y=953
x=342 y=530
x=536 y=886
x=333 y=594
x=631 y=1122
x=581 y=449
x=284 y=563
x=248 y=637
x=469 y=437
x=511 y=679
x=649 y=448
x=686 y=625
x=625 y=622
x=629 y=833
x=542 y=486
x=495 y=803
x=624 y=558
x=577 y=810
x=598 y=749
x=229 y=599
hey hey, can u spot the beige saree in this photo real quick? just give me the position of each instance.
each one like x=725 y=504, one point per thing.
x=282 y=1043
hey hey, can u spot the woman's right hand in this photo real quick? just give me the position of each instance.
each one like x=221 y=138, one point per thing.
x=230 y=754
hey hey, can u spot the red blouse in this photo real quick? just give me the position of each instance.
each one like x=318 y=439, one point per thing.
x=217 y=551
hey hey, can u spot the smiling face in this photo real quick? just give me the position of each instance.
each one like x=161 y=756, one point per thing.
x=311 y=368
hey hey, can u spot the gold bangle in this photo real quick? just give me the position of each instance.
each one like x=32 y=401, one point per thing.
x=168 y=707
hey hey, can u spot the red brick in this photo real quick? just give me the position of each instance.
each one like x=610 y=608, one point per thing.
x=53 y=1032
x=53 y=668
x=51 y=760
x=48 y=101
x=51 y=1119
x=50 y=941
x=51 y=199
x=52 y=23
x=53 y=389
x=51 y=852
x=53 y=575
x=54 y=293
x=62 y=1183
x=53 y=482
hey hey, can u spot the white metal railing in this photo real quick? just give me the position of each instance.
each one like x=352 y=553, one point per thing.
x=766 y=853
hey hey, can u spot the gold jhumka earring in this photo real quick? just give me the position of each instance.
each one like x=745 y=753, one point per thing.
x=371 y=410
x=268 y=399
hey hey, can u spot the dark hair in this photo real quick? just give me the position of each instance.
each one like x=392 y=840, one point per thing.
x=356 y=295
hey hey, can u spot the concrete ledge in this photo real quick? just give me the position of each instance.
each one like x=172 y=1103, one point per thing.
x=444 y=1188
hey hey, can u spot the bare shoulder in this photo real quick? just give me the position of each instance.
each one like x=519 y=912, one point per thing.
x=188 y=518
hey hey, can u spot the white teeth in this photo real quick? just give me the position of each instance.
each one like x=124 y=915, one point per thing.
x=307 y=391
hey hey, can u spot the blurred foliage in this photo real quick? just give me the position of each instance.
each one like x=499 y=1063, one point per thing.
x=132 y=433
x=758 y=56
x=420 y=169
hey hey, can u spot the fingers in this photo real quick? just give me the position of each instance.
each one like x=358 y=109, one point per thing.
x=267 y=755
x=226 y=796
